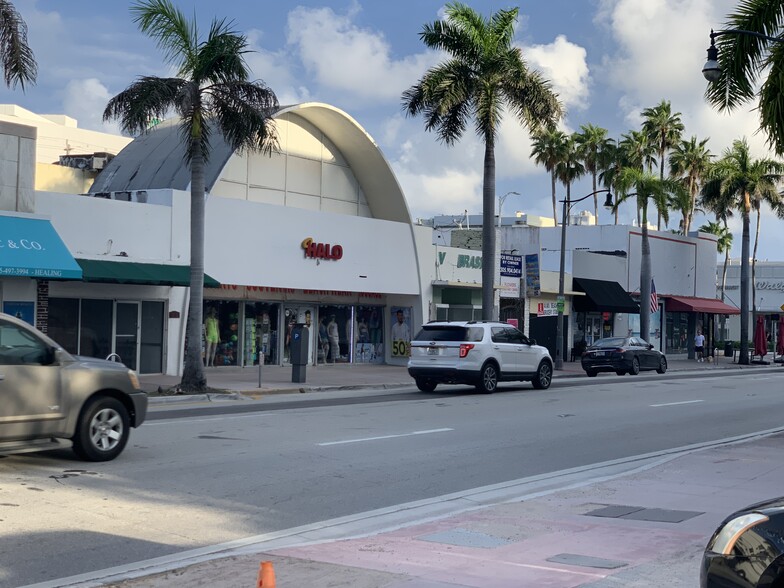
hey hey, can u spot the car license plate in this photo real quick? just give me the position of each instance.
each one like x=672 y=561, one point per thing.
x=600 y=354
x=432 y=350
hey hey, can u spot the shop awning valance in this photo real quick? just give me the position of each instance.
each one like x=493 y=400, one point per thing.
x=691 y=304
x=603 y=296
x=31 y=248
x=129 y=272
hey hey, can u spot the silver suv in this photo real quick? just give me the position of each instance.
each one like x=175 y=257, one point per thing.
x=48 y=395
x=477 y=353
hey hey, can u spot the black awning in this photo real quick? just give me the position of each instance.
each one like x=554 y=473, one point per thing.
x=602 y=296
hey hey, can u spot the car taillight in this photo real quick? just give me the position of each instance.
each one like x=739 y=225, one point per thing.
x=465 y=348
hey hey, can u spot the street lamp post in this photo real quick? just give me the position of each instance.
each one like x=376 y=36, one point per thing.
x=711 y=70
x=501 y=200
x=567 y=205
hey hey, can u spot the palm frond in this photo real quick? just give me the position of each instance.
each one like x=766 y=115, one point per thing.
x=173 y=33
x=148 y=98
x=18 y=61
x=243 y=112
x=221 y=56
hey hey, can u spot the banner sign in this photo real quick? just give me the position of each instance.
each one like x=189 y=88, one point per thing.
x=532 y=283
x=511 y=265
x=547 y=309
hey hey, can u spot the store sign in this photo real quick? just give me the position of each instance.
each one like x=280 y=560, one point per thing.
x=533 y=284
x=315 y=250
x=510 y=287
x=472 y=261
x=511 y=265
x=547 y=309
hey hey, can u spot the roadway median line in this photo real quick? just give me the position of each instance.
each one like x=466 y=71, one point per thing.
x=676 y=403
x=427 y=432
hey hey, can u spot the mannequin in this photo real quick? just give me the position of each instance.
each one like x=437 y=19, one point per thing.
x=211 y=336
x=334 y=339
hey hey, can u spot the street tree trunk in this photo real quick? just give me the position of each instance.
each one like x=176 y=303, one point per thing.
x=645 y=279
x=488 y=230
x=193 y=378
x=595 y=197
x=744 y=283
x=555 y=205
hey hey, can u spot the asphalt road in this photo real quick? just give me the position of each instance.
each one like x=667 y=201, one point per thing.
x=190 y=478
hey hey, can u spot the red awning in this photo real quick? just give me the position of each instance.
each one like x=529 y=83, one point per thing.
x=691 y=304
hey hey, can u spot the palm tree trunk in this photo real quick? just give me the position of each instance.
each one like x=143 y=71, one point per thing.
x=724 y=282
x=661 y=177
x=488 y=230
x=193 y=378
x=616 y=207
x=555 y=205
x=645 y=280
x=692 y=204
x=595 y=200
x=744 y=284
x=754 y=269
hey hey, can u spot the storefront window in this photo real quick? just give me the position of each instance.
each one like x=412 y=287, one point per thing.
x=337 y=321
x=370 y=334
x=677 y=332
x=95 y=336
x=261 y=333
x=64 y=323
x=226 y=349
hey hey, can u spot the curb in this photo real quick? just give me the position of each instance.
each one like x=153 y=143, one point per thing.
x=256 y=394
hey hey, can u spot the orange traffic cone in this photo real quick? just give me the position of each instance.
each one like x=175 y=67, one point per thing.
x=266 y=575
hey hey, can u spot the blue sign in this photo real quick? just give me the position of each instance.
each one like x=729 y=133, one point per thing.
x=31 y=248
x=532 y=282
x=511 y=265
x=21 y=310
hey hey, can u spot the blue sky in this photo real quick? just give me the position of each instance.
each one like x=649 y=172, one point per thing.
x=607 y=59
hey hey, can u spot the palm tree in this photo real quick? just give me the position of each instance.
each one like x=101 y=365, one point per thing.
x=613 y=163
x=483 y=74
x=637 y=152
x=547 y=150
x=723 y=246
x=569 y=168
x=689 y=162
x=17 y=61
x=645 y=187
x=664 y=131
x=744 y=59
x=212 y=93
x=736 y=180
x=593 y=146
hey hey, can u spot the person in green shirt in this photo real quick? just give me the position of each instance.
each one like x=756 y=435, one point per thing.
x=211 y=336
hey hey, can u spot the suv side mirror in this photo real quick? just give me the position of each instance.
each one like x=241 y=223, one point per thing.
x=532 y=341
x=650 y=346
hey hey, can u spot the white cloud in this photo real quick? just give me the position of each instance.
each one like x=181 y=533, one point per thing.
x=344 y=57
x=276 y=69
x=85 y=100
x=565 y=65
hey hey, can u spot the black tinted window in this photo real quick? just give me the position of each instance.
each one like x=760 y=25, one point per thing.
x=442 y=333
x=516 y=336
x=611 y=342
x=499 y=335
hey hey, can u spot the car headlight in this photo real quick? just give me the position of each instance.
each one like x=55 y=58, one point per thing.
x=134 y=379
x=725 y=539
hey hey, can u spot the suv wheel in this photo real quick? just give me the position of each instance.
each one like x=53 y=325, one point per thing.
x=543 y=377
x=662 y=365
x=591 y=373
x=102 y=430
x=488 y=378
x=635 y=366
x=425 y=385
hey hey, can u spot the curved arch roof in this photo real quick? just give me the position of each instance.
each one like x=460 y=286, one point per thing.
x=154 y=160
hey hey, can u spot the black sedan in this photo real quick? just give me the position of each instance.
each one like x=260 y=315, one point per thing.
x=622 y=355
x=747 y=550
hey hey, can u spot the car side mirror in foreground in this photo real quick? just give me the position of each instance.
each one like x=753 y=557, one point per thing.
x=533 y=341
x=650 y=346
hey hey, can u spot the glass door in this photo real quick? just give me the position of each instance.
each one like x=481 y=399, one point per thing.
x=126 y=333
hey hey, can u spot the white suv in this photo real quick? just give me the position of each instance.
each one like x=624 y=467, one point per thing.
x=477 y=353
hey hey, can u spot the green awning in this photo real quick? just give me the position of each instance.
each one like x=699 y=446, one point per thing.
x=129 y=272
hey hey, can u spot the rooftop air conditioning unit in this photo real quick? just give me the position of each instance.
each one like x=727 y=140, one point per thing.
x=98 y=163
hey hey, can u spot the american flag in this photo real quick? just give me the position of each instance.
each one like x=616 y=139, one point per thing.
x=654 y=300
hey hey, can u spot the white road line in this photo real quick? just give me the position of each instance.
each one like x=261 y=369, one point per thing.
x=384 y=437
x=217 y=417
x=677 y=403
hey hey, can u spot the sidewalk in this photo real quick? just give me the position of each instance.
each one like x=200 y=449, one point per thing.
x=277 y=379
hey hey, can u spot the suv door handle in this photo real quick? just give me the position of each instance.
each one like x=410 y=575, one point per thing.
x=496 y=347
x=2 y=376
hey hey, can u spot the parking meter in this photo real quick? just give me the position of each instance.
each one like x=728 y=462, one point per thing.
x=299 y=352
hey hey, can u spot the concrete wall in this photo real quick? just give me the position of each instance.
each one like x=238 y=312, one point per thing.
x=60 y=135
x=309 y=172
x=17 y=167
x=58 y=178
